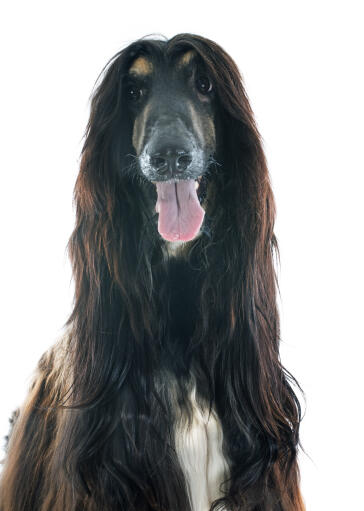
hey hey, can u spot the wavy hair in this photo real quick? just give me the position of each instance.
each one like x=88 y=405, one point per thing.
x=96 y=431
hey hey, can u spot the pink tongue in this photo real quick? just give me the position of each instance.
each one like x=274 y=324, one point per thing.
x=180 y=213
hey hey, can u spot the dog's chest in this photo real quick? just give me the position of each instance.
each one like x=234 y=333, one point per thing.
x=199 y=450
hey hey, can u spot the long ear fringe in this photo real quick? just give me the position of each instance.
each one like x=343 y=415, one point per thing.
x=252 y=390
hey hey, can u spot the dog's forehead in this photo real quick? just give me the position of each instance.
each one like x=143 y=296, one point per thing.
x=144 y=65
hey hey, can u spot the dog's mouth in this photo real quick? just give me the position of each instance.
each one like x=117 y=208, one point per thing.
x=178 y=205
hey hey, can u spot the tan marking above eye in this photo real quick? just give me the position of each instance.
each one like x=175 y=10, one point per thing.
x=141 y=66
x=186 y=58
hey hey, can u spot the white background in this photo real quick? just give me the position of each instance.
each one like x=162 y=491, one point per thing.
x=301 y=63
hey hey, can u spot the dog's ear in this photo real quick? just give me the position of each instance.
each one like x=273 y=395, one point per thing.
x=111 y=247
x=240 y=205
x=113 y=239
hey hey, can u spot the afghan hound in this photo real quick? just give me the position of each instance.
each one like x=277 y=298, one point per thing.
x=166 y=391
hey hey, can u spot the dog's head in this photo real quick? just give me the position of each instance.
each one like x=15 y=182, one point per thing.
x=171 y=101
x=172 y=137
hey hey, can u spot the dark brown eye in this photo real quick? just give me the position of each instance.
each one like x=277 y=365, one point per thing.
x=134 y=92
x=203 y=84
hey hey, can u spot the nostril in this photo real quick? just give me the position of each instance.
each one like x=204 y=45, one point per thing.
x=170 y=160
x=159 y=163
x=183 y=161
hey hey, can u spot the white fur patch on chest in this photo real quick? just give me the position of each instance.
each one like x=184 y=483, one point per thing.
x=199 y=450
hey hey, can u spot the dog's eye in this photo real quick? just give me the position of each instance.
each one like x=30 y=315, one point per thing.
x=203 y=84
x=133 y=92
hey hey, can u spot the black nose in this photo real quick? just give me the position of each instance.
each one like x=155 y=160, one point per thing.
x=170 y=162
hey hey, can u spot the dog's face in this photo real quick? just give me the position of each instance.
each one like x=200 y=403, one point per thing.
x=172 y=107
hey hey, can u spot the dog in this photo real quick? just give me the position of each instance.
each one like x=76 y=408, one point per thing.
x=166 y=391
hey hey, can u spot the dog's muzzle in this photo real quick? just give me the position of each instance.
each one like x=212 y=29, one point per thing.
x=172 y=160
